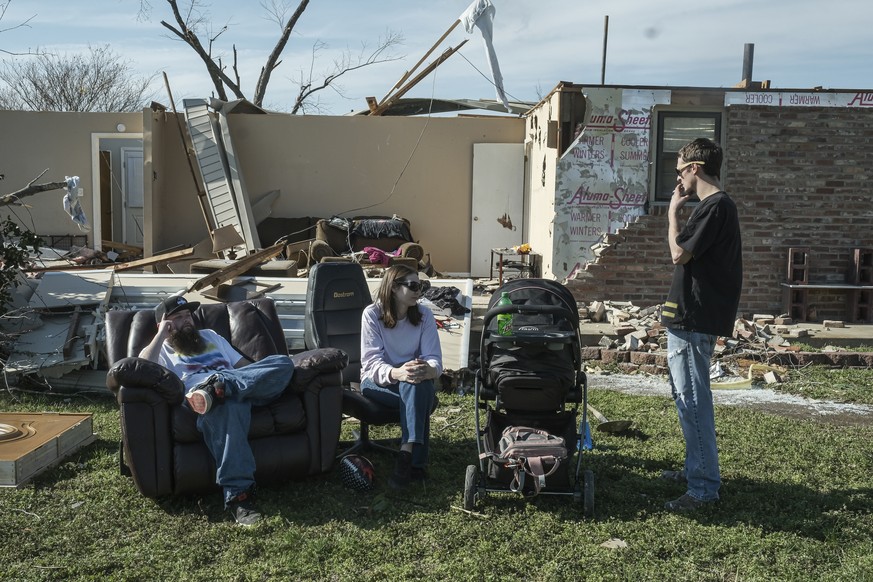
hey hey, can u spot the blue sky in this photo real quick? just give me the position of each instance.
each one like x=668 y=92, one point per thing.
x=798 y=44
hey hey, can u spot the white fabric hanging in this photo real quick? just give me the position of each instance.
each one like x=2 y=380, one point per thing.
x=481 y=15
x=72 y=205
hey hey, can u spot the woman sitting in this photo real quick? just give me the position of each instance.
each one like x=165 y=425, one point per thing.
x=400 y=359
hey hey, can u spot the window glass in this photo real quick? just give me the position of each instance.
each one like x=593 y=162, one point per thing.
x=675 y=129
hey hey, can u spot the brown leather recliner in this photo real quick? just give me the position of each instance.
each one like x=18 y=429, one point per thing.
x=293 y=437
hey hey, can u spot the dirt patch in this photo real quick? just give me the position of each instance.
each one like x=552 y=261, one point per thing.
x=763 y=399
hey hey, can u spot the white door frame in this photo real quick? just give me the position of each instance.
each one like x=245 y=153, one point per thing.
x=94 y=219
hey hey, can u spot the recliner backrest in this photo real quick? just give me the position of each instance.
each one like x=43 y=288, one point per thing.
x=252 y=327
x=336 y=296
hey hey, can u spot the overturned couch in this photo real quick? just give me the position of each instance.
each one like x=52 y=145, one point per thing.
x=294 y=437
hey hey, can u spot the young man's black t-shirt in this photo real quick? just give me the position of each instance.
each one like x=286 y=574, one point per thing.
x=705 y=293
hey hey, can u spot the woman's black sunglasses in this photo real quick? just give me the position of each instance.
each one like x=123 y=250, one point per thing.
x=415 y=286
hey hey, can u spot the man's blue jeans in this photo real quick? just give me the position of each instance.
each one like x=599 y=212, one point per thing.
x=225 y=427
x=688 y=357
x=415 y=402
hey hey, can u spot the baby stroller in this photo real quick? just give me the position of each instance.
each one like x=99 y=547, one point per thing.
x=530 y=385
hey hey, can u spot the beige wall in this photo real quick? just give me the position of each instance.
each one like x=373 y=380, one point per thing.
x=541 y=160
x=326 y=166
x=30 y=142
x=322 y=165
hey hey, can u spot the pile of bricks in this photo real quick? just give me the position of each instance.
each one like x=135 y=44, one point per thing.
x=639 y=342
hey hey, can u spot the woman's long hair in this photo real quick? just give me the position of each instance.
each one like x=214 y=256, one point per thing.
x=385 y=297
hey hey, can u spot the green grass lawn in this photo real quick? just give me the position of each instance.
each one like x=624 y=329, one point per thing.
x=842 y=385
x=796 y=505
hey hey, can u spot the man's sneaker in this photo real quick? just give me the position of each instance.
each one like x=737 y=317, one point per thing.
x=242 y=508
x=207 y=394
x=675 y=476
x=686 y=503
x=402 y=471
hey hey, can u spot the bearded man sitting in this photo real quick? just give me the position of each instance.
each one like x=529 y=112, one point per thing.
x=221 y=386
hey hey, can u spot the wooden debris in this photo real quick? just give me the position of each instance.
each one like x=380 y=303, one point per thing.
x=468 y=512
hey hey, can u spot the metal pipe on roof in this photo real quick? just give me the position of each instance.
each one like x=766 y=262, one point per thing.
x=748 y=60
x=605 y=38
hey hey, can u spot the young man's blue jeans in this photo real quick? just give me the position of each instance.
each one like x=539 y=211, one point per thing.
x=225 y=427
x=688 y=357
x=415 y=402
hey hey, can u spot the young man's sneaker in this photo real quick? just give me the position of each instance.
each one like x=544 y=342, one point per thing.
x=686 y=503
x=242 y=508
x=402 y=471
x=207 y=394
x=675 y=476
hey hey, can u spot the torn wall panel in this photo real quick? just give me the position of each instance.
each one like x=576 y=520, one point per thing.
x=66 y=290
x=55 y=347
x=58 y=332
x=602 y=179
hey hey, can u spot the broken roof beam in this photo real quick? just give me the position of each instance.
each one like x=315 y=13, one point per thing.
x=153 y=260
x=237 y=268
x=385 y=105
x=421 y=60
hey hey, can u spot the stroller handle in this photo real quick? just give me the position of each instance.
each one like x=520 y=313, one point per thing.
x=527 y=310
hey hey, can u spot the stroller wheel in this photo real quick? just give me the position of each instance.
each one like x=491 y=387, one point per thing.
x=588 y=493
x=471 y=485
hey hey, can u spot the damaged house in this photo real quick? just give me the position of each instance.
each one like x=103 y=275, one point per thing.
x=584 y=177
x=288 y=171
x=798 y=163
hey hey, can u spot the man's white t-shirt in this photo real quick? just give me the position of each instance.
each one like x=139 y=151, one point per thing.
x=194 y=369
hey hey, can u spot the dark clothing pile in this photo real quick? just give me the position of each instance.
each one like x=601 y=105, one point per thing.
x=446 y=298
x=382 y=228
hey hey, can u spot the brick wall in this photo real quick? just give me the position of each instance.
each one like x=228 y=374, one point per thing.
x=801 y=177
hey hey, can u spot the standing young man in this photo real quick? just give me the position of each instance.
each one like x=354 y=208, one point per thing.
x=701 y=306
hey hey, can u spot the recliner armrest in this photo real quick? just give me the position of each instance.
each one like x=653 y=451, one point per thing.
x=312 y=363
x=136 y=372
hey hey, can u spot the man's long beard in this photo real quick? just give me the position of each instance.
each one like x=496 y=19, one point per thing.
x=187 y=341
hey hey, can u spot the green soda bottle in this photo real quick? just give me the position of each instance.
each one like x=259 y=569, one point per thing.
x=504 y=320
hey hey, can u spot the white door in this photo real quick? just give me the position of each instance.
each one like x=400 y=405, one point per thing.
x=498 y=202
x=132 y=195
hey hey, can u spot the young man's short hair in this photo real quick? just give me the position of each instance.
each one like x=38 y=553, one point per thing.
x=706 y=151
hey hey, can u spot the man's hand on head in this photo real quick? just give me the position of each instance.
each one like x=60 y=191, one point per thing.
x=166 y=327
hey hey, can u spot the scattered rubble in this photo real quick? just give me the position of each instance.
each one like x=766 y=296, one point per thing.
x=640 y=343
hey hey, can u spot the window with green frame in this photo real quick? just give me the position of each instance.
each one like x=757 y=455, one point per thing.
x=675 y=129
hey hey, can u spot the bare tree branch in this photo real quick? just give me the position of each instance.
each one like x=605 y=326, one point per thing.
x=191 y=24
x=30 y=190
x=343 y=65
x=272 y=60
x=187 y=32
x=98 y=81
x=26 y=24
